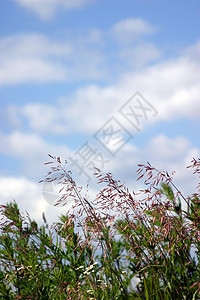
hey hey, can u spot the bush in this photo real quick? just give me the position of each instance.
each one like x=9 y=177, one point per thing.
x=119 y=246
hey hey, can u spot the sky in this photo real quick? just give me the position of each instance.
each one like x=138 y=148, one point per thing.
x=109 y=84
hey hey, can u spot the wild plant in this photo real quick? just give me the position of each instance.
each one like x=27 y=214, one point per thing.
x=120 y=245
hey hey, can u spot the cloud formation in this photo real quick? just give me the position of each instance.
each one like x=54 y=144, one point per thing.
x=46 y=9
x=29 y=58
x=171 y=86
x=37 y=58
x=29 y=197
x=129 y=30
x=31 y=150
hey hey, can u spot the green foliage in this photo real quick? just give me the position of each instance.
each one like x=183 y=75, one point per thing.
x=115 y=247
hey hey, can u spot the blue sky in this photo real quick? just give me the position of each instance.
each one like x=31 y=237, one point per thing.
x=66 y=69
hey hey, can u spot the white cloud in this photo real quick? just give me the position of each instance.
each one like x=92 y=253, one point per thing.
x=173 y=154
x=31 y=58
x=29 y=197
x=22 y=144
x=168 y=152
x=25 y=192
x=10 y=117
x=128 y=30
x=34 y=70
x=46 y=9
x=139 y=55
x=164 y=153
x=171 y=86
x=31 y=149
x=36 y=58
x=78 y=56
x=45 y=118
x=32 y=44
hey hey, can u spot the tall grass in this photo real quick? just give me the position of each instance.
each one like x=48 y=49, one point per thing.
x=118 y=246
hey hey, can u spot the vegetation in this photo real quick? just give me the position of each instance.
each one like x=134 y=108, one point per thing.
x=119 y=246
